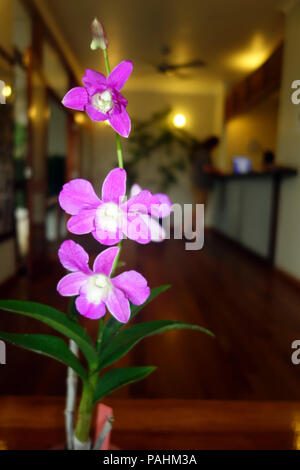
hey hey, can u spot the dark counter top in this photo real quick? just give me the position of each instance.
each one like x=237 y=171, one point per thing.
x=37 y=422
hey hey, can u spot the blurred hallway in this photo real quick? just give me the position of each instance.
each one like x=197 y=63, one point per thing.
x=197 y=103
x=251 y=309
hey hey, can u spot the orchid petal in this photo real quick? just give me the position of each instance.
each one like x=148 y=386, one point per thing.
x=88 y=309
x=157 y=232
x=82 y=223
x=71 y=284
x=94 y=82
x=137 y=229
x=134 y=285
x=162 y=207
x=105 y=260
x=73 y=257
x=118 y=305
x=120 y=122
x=141 y=203
x=76 y=98
x=120 y=74
x=135 y=189
x=77 y=195
x=114 y=186
x=94 y=114
x=107 y=238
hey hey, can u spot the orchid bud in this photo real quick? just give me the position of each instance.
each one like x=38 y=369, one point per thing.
x=99 y=40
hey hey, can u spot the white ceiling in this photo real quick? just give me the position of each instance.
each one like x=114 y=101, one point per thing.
x=232 y=36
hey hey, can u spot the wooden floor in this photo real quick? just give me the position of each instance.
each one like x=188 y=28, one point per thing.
x=254 y=313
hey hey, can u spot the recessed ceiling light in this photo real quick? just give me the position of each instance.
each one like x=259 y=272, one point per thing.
x=7 y=91
x=179 y=120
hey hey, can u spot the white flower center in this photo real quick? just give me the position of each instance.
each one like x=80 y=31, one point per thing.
x=103 y=101
x=97 y=288
x=110 y=216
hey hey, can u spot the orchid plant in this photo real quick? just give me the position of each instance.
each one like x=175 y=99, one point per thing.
x=97 y=293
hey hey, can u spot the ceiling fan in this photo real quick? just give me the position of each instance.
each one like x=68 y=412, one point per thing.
x=164 y=66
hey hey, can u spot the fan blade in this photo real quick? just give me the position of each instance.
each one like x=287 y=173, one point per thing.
x=194 y=63
x=164 y=67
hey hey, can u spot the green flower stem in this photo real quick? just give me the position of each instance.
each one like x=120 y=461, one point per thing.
x=85 y=411
x=106 y=61
x=118 y=140
x=119 y=151
x=86 y=404
x=116 y=259
x=119 y=154
x=99 y=338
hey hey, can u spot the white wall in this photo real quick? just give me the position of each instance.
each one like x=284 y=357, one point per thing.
x=288 y=150
x=204 y=117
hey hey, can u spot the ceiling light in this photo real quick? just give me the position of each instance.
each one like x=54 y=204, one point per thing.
x=252 y=57
x=7 y=91
x=179 y=120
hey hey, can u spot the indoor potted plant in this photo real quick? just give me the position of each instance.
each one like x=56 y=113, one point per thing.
x=97 y=293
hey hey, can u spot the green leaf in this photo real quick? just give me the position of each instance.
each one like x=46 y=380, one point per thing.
x=129 y=337
x=135 y=309
x=57 y=320
x=48 y=345
x=117 y=378
x=72 y=310
x=112 y=326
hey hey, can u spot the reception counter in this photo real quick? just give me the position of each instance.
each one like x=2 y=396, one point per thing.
x=244 y=207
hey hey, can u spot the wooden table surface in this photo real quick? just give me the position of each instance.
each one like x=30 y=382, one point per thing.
x=38 y=423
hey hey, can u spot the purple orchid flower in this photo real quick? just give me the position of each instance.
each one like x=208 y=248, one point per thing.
x=101 y=99
x=95 y=288
x=161 y=207
x=165 y=205
x=112 y=217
